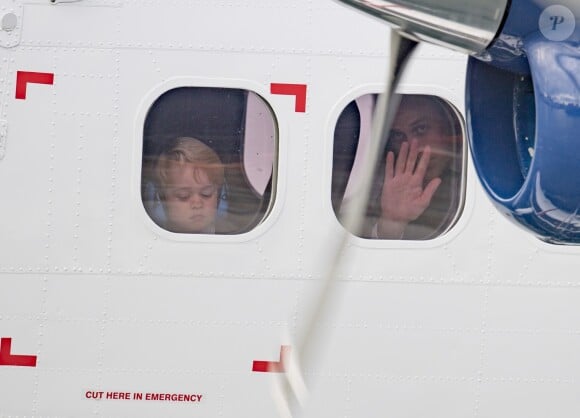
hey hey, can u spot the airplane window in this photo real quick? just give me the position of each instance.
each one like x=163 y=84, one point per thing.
x=417 y=192
x=208 y=160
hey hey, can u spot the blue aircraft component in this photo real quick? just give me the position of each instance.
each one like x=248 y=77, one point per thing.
x=523 y=113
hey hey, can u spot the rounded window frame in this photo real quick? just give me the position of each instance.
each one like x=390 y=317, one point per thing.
x=273 y=208
x=466 y=191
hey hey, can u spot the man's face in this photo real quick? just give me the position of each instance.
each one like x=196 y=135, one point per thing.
x=190 y=200
x=419 y=119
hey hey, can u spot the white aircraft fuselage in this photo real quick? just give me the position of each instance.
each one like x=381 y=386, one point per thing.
x=103 y=312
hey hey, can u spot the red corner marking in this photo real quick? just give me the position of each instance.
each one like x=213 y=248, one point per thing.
x=25 y=77
x=7 y=359
x=272 y=366
x=298 y=90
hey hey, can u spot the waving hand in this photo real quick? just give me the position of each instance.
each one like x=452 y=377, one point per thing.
x=404 y=197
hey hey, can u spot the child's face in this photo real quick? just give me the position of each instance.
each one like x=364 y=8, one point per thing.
x=190 y=200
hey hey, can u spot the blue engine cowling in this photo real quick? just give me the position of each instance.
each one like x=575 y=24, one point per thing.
x=523 y=117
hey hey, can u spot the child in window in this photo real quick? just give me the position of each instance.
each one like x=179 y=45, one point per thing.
x=190 y=176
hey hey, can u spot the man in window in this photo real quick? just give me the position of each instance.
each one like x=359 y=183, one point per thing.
x=417 y=190
x=420 y=190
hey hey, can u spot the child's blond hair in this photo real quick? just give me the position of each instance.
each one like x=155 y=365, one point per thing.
x=189 y=150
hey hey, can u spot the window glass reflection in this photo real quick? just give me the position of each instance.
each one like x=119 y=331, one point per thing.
x=417 y=190
x=208 y=160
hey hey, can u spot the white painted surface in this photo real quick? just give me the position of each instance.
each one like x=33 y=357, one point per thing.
x=481 y=322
